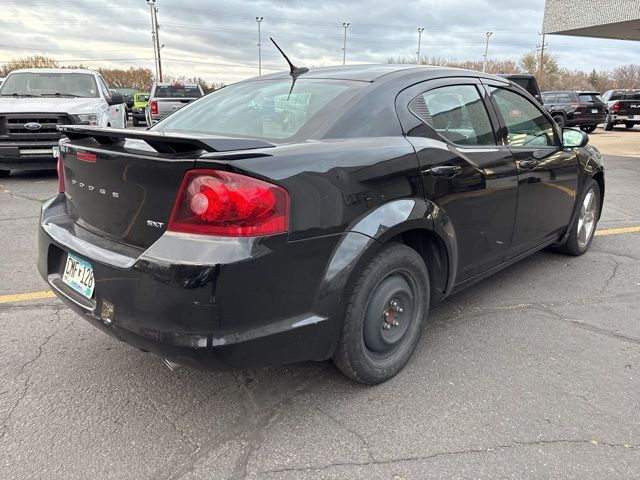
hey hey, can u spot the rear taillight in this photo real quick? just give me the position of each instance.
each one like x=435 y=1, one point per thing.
x=616 y=107
x=60 y=169
x=154 y=107
x=212 y=202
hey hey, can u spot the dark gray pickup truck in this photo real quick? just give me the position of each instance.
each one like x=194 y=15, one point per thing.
x=624 y=107
x=166 y=98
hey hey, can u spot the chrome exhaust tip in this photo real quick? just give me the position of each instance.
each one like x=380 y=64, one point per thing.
x=172 y=365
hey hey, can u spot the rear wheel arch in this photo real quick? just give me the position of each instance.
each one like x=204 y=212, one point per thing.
x=599 y=178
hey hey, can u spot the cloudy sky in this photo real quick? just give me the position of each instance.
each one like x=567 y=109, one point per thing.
x=217 y=40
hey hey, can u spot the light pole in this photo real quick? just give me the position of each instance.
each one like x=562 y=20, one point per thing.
x=345 y=25
x=486 y=51
x=259 y=21
x=420 y=30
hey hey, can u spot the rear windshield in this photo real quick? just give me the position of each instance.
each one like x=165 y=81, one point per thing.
x=527 y=84
x=50 y=85
x=267 y=109
x=590 y=98
x=177 y=91
x=633 y=95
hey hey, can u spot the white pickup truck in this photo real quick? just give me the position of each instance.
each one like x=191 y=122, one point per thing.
x=34 y=101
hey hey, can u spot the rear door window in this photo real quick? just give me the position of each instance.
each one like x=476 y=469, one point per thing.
x=564 y=98
x=457 y=113
x=549 y=97
x=590 y=98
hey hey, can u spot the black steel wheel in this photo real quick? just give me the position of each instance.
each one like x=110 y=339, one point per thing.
x=387 y=309
x=608 y=124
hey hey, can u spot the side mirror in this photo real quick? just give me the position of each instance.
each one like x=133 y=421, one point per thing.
x=116 y=99
x=572 y=138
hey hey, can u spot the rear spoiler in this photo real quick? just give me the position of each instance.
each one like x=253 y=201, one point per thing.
x=160 y=141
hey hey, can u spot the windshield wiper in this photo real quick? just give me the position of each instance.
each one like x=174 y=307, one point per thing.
x=15 y=94
x=58 y=94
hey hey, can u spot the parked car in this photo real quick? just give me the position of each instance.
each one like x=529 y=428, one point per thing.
x=576 y=109
x=308 y=216
x=526 y=81
x=1 y=80
x=624 y=108
x=140 y=104
x=166 y=98
x=127 y=94
x=33 y=102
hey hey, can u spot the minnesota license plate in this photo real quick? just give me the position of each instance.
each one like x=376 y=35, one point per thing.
x=78 y=274
x=594 y=110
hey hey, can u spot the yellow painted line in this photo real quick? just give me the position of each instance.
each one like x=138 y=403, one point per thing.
x=25 y=297
x=617 y=231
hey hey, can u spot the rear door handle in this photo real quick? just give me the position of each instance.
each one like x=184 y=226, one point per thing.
x=528 y=164
x=445 y=171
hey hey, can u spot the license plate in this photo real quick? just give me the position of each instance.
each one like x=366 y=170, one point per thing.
x=78 y=274
x=594 y=110
x=56 y=151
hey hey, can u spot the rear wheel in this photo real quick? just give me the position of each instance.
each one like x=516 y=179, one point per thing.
x=387 y=309
x=582 y=229
x=4 y=173
x=608 y=125
x=588 y=128
x=560 y=120
x=136 y=122
x=629 y=125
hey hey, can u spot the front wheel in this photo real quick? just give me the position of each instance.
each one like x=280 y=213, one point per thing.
x=588 y=128
x=629 y=126
x=384 y=317
x=584 y=226
x=608 y=125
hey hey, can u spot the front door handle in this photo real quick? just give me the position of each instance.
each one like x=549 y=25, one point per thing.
x=528 y=164
x=445 y=171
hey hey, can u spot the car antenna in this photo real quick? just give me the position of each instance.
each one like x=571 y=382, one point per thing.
x=295 y=72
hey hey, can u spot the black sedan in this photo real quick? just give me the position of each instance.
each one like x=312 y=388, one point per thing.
x=312 y=215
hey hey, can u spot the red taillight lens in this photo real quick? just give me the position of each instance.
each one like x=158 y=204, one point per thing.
x=616 y=107
x=154 y=107
x=212 y=202
x=60 y=169
x=86 y=157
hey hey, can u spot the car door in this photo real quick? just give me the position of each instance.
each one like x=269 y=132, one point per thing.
x=547 y=173
x=469 y=177
x=114 y=112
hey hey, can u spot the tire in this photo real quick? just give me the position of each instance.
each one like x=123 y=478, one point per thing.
x=588 y=128
x=136 y=122
x=560 y=120
x=4 y=173
x=608 y=125
x=629 y=126
x=393 y=286
x=579 y=239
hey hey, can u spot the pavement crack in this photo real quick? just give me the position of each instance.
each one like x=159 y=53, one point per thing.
x=353 y=432
x=612 y=276
x=453 y=453
x=23 y=367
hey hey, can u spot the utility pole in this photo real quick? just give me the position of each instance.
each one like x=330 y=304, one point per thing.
x=259 y=21
x=420 y=30
x=486 y=52
x=541 y=64
x=345 y=25
x=155 y=36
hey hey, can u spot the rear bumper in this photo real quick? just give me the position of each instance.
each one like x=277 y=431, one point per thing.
x=624 y=119
x=13 y=157
x=221 y=303
x=585 y=121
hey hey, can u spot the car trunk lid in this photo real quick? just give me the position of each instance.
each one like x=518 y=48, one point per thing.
x=123 y=184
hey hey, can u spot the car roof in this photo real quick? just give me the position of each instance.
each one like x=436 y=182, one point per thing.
x=368 y=73
x=54 y=70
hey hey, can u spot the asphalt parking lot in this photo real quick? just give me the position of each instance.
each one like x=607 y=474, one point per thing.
x=532 y=373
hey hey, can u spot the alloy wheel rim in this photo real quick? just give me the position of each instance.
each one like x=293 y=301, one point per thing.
x=587 y=219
